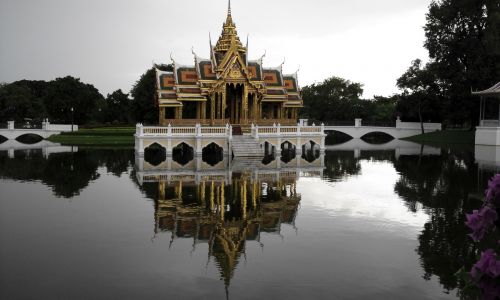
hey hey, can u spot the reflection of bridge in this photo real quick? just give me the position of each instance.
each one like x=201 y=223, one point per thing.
x=401 y=147
x=47 y=147
x=401 y=130
x=12 y=133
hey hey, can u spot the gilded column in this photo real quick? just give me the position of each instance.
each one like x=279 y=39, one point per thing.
x=255 y=108
x=244 y=109
x=162 y=116
x=198 y=110
x=212 y=108
x=180 y=113
x=223 y=104
x=204 y=110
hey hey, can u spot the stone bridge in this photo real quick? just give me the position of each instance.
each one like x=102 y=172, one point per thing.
x=401 y=130
x=12 y=133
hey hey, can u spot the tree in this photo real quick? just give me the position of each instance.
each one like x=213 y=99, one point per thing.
x=333 y=99
x=143 y=96
x=462 y=37
x=118 y=108
x=69 y=92
x=421 y=93
x=20 y=100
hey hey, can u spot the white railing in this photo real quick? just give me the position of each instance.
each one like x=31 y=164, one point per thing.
x=184 y=131
x=47 y=126
x=399 y=125
x=278 y=130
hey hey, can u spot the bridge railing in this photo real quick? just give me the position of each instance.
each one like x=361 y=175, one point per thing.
x=28 y=125
x=278 y=130
x=184 y=131
x=334 y=122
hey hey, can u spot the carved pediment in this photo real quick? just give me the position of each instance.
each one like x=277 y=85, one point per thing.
x=235 y=71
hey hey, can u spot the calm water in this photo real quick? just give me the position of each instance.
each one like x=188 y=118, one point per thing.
x=352 y=224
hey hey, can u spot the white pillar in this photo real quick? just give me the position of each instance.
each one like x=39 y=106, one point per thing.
x=11 y=153
x=10 y=125
x=357 y=122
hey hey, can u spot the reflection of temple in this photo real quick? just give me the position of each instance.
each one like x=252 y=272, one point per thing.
x=225 y=207
x=227 y=88
x=225 y=216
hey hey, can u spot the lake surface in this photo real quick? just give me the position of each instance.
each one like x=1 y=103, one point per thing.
x=381 y=222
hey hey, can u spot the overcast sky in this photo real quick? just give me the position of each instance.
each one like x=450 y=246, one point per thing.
x=110 y=43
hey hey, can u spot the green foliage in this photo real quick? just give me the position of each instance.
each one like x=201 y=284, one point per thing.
x=463 y=40
x=54 y=99
x=333 y=99
x=18 y=101
x=144 y=103
x=339 y=99
x=65 y=94
x=118 y=108
x=422 y=98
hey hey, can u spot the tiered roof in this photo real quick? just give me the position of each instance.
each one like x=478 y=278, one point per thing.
x=193 y=83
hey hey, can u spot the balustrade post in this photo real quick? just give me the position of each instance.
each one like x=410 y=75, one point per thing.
x=198 y=129
x=398 y=122
x=10 y=125
x=169 y=130
x=278 y=131
x=357 y=122
x=230 y=132
x=257 y=131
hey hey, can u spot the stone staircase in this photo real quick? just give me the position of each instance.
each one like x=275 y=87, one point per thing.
x=246 y=146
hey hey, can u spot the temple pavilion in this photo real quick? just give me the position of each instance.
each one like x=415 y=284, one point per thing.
x=226 y=88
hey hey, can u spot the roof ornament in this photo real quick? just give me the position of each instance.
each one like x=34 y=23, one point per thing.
x=229 y=8
x=171 y=58
x=263 y=55
x=281 y=65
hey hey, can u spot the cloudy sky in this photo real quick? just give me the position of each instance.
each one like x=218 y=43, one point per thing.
x=110 y=43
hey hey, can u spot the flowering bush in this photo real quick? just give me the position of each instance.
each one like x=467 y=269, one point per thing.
x=486 y=271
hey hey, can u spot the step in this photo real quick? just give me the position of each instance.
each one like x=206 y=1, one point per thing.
x=246 y=146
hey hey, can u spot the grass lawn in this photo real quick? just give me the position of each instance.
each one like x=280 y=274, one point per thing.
x=445 y=137
x=116 y=136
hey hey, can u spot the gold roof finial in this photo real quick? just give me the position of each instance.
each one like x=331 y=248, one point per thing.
x=228 y=33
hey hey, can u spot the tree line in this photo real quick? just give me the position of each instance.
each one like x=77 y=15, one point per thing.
x=463 y=41
x=68 y=99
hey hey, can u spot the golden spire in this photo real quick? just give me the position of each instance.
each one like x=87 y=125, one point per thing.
x=228 y=34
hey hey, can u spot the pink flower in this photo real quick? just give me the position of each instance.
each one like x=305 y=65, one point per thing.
x=487 y=265
x=480 y=221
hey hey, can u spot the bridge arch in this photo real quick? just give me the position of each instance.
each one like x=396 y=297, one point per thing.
x=335 y=137
x=3 y=139
x=377 y=137
x=29 y=138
